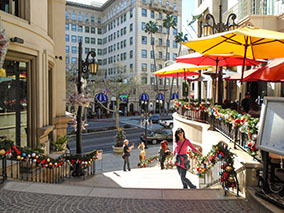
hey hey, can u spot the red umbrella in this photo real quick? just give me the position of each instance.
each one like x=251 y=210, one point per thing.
x=228 y=60
x=179 y=74
x=273 y=71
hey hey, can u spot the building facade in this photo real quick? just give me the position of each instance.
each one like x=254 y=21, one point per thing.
x=32 y=79
x=116 y=32
x=265 y=14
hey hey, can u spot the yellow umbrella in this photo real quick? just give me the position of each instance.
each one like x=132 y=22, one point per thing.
x=181 y=69
x=250 y=42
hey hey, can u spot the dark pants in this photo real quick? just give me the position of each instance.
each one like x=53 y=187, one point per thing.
x=162 y=161
x=186 y=183
x=126 y=161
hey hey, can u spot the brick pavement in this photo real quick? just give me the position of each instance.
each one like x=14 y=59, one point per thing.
x=15 y=201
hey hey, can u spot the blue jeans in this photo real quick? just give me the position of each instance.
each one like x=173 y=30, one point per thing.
x=186 y=182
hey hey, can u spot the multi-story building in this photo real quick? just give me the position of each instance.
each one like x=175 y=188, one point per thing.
x=32 y=79
x=265 y=14
x=116 y=31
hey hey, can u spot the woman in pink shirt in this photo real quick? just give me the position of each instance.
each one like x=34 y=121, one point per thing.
x=182 y=162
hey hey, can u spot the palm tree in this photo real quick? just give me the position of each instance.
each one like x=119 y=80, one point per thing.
x=169 y=22
x=151 y=28
x=180 y=38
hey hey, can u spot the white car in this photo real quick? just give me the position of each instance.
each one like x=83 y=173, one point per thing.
x=167 y=123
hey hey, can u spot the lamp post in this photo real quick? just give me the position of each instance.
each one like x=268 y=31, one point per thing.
x=145 y=116
x=211 y=27
x=86 y=66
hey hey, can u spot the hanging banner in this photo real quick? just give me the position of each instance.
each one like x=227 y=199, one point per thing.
x=3 y=44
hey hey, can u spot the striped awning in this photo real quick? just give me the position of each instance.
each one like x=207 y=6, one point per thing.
x=101 y=97
x=144 y=97
x=174 y=96
x=160 y=96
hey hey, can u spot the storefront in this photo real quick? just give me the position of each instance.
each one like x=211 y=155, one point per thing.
x=143 y=102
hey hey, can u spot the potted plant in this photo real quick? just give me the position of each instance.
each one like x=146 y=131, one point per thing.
x=119 y=138
x=60 y=143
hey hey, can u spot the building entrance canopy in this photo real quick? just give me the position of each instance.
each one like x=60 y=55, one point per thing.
x=101 y=97
x=160 y=96
x=144 y=97
x=174 y=96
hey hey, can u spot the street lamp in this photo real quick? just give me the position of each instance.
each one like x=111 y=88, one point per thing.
x=211 y=27
x=145 y=116
x=86 y=66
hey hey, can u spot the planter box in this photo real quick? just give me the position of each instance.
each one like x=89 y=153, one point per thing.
x=117 y=150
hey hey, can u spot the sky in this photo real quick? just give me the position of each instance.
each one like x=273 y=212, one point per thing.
x=187 y=12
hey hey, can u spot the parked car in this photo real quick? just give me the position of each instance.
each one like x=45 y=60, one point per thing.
x=154 y=118
x=157 y=135
x=167 y=123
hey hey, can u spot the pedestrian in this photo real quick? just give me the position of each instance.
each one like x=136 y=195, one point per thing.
x=126 y=154
x=246 y=102
x=164 y=152
x=142 y=155
x=182 y=162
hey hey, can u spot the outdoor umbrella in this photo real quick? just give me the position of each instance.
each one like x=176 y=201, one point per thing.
x=181 y=69
x=273 y=71
x=228 y=60
x=247 y=41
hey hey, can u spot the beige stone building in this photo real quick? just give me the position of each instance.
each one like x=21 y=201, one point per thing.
x=32 y=80
x=115 y=30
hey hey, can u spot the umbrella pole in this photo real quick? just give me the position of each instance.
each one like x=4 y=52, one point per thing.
x=243 y=70
x=215 y=83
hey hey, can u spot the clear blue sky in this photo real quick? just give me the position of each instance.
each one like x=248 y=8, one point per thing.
x=187 y=12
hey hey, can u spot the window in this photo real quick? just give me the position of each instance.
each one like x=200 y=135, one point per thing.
x=168 y=43
x=66 y=38
x=131 y=27
x=117 y=21
x=131 y=67
x=99 y=20
x=87 y=50
x=66 y=26
x=131 y=54
x=144 y=39
x=100 y=52
x=100 y=42
x=73 y=27
x=144 y=12
x=167 y=3
x=175 y=6
x=93 y=40
x=152 y=41
x=124 y=30
x=66 y=15
x=152 y=14
x=93 y=30
x=80 y=28
x=160 y=42
x=99 y=31
x=73 y=60
x=152 y=67
x=67 y=49
x=92 y=19
x=144 y=53
x=144 y=1
x=130 y=40
x=80 y=18
x=80 y=38
x=87 y=29
x=168 y=56
x=67 y=59
x=175 y=31
x=131 y=13
x=160 y=28
x=152 y=81
x=74 y=49
x=87 y=40
x=74 y=38
x=160 y=15
x=124 y=17
x=144 y=80
x=175 y=18
x=160 y=54
x=174 y=44
x=152 y=54
x=87 y=18
x=73 y=16
x=124 y=43
x=174 y=56
x=143 y=25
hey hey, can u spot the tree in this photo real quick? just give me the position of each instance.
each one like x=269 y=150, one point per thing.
x=169 y=22
x=180 y=37
x=116 y=85
x=152 y=28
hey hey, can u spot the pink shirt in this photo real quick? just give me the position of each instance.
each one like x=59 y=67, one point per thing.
x=183 y=150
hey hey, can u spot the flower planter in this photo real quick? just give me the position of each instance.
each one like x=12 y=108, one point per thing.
x=117 y=150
